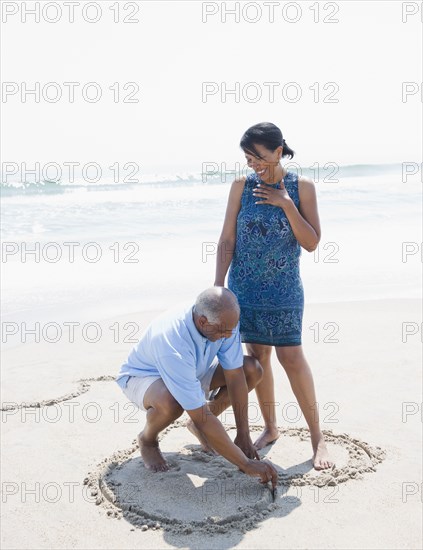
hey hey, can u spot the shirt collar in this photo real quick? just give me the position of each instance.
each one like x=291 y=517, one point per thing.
x=192 y=329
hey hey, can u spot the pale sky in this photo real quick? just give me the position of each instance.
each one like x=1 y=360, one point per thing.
x=170 y=53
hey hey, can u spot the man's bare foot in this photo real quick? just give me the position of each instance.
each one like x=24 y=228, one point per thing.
x=152 y=456
x=321 y=459
x=268 y=436
x=205 y=445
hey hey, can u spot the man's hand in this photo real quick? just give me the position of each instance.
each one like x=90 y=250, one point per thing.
x=246 y=445
x=264 y=470
x=216 y=434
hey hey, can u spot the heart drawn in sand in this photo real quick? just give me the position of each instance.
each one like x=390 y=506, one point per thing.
x=207 y=493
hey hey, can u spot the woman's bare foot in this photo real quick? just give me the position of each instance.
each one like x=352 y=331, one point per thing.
x=152 y=456
x=205 y=445
x=268 y=436
x=321 y=459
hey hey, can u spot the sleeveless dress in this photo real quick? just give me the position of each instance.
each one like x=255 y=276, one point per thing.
x=264 y=273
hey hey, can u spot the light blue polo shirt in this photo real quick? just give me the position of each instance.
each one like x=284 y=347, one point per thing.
x=172 y=348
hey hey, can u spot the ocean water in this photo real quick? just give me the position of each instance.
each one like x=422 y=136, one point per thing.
x=106 y=249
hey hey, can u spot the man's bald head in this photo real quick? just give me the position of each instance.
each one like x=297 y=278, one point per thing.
x=216 y=303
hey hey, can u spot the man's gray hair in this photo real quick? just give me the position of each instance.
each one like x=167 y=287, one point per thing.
x=214 y=301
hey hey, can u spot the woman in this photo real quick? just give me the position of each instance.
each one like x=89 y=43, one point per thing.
x=271 y=214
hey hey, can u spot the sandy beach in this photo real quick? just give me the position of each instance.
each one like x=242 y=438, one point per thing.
x=72 y=476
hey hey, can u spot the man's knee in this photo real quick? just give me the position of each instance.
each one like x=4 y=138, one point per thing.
x=167 y=404
x=253 y=370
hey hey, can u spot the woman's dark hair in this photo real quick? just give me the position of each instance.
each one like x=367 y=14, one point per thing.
x=266 y=134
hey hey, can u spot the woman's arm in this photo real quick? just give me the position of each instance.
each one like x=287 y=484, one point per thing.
x=305 y=222
x=226 y=245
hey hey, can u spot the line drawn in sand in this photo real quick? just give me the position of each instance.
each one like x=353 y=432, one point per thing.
x=206 y=493
x=84 y=384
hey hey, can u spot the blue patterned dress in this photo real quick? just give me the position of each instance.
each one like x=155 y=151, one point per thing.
x=265 y=272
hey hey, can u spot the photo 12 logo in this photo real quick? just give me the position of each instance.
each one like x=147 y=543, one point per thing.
x=53 y=252
x=53 y=332
x=69 y=92
x=70 y=12
x=270 y=12
x=224 y=173
x=411 y=491
x=410 y=12
x=410 y=169
x=68 y=172
x=270 y=92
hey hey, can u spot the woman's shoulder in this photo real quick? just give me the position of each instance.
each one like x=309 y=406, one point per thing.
x=301 y=181
x=237 y=190
x=240 y=182
x=250 y=179
x=305 y=185
x=245 y=178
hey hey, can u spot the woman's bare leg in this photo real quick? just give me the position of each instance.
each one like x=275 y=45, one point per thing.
x=265 y=391
x=301 y=379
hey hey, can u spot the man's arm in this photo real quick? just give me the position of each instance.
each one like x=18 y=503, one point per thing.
x=238 y=394
x=205 y=421
x=230 y=356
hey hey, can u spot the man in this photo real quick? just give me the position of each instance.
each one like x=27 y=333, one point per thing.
x=182 y=356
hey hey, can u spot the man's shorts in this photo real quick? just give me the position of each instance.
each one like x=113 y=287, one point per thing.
x=137 y=385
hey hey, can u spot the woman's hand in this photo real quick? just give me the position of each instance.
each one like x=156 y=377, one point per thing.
x=271 y=195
